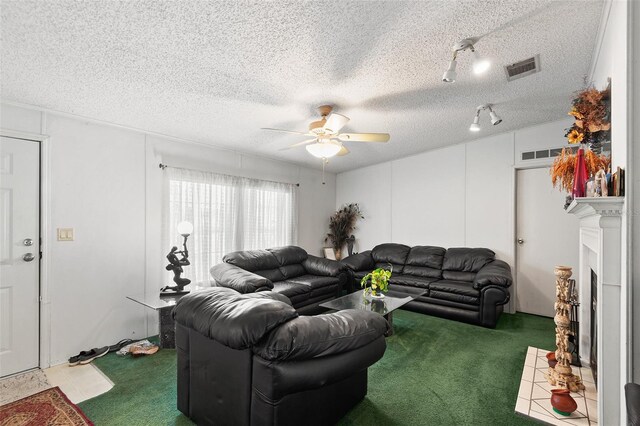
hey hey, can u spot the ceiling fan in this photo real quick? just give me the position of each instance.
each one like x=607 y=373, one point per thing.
x=327 y=141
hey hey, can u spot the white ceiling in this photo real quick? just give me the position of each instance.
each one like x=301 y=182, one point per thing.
x=216 y=72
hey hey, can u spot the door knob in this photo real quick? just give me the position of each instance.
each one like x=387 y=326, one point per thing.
x=520 y=241
x=28 y=257
x=27 y=242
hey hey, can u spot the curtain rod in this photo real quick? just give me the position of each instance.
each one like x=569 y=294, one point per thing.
x=164 y=166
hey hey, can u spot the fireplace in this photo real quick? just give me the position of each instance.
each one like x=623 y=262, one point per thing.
x=593 y=354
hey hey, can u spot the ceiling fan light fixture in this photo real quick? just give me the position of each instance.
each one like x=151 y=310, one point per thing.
x=449 y=75
x=480 y=64
x=324 y=149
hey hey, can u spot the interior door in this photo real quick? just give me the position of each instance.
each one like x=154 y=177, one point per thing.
x=19 y=254
x=547 y=236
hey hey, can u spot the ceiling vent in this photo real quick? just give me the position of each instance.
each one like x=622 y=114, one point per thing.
x=523 y=68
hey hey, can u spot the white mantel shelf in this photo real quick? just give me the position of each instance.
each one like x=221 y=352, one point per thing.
x=600 y=251
x=600 y=206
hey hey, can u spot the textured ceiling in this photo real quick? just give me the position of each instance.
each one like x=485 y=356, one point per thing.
x=216 y=72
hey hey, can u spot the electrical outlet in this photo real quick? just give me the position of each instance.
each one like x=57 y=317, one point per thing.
x=65 y=234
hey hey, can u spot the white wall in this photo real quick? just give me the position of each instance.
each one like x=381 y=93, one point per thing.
x=106 y=184
x=461 y=195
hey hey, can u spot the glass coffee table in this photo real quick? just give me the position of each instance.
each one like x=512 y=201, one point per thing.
x=385 y=306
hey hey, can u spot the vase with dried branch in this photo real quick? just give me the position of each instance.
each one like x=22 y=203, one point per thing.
x=563 y=168
x=341 y=225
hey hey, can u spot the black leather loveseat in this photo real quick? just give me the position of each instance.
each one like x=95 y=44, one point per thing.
x=465 y=284
x=305 y=279
x=250 y=359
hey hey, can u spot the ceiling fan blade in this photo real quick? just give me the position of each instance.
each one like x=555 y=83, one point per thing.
x=298 y=144
x=285 y=131
x=364 y=137
x=343 y=151
x=335 y=122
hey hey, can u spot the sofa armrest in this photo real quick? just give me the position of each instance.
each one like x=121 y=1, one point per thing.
x=359 y=262
x=242 y=281
x=319 y=266
x=494 y=273
x=308 y=337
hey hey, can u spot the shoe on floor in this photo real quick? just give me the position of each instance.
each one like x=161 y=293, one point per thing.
x=93 y=354
x=121 y=344
x=75 y=360
x=143 y=350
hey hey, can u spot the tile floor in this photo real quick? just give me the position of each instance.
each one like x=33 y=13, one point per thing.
x=535 y=393
x=22 y=385
x=80 y=382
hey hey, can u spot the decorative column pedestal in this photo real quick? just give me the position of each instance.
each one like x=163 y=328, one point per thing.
x=562 y=374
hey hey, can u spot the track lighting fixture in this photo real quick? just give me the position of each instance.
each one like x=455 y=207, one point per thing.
x=495 y=119
x=480 y=65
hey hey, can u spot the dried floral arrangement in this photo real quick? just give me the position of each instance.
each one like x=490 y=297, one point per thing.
x=563 y=169
x=341 y=225
x=592 y=112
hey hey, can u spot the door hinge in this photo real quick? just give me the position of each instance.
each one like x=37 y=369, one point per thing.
x=40 y=255
x=40 y=299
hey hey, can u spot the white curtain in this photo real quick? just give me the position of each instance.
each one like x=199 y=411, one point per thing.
x=228 y=213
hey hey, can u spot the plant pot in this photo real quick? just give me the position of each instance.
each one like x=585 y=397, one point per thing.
x=376 y=295
x=562 y=402
x=551 y=359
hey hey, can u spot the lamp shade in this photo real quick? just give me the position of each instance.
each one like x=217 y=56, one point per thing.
x=475 y=126
x=324 y=149
x=185 y=228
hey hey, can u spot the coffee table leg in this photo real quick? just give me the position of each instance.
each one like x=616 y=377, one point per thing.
x=167 y=328
x=389 y=318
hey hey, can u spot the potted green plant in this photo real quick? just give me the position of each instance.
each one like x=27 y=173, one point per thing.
x=376 y=282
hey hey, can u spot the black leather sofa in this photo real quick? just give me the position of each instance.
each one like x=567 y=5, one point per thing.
x=250 y=359
x=305 y=279
x=464 y=284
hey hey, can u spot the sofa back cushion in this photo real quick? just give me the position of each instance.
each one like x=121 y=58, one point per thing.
x=462 y=263
x=274 y=264
x=390 y=253
x=425 y=261
x=236 y=320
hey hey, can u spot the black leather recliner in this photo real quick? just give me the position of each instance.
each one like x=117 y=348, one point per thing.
x=305 y=279
x=465 y=284
x=249 y=359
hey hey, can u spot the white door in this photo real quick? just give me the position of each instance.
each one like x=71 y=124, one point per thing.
x=19 y=254
x=547 y=236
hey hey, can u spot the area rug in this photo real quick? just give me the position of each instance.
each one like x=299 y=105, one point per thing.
x=47 y=408
x=22 y=385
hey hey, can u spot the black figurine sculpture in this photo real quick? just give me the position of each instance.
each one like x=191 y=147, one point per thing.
x=176 y=264
x=350 y=241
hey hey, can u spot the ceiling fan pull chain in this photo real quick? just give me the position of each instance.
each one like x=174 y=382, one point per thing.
x=324 y=162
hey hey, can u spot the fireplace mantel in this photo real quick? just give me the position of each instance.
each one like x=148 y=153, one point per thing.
x=598 y=206
x=600 y=250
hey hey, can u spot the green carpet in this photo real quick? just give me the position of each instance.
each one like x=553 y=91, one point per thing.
x=434 y=372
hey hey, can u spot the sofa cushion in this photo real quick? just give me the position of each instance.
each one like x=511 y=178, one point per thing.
x=429 y=256
x=233 y=319
x=455 y=291
x=292 y=271
x=296 y=292
x=272 y=275
x=288 y=255
x=252 y=260
x=390 y=253
x=410 y=280
x=315 y=281
x=464 y=259
x=459 y=276
x=422 y=271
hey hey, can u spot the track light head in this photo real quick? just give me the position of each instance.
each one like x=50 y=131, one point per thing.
x=475 y=126
x=495 y=119
x=449 y=75
x=480 y=64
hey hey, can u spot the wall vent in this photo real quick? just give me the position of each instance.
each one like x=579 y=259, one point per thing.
x=554 y=152
x=523 y=68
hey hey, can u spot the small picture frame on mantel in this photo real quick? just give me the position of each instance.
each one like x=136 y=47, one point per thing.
x=329 y=253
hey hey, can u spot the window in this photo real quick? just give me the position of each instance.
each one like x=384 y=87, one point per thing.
x=228 y=214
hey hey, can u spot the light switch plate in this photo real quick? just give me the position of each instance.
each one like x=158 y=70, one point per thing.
x=65 y=234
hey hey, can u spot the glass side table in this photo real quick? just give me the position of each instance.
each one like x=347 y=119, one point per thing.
x=164 y=305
